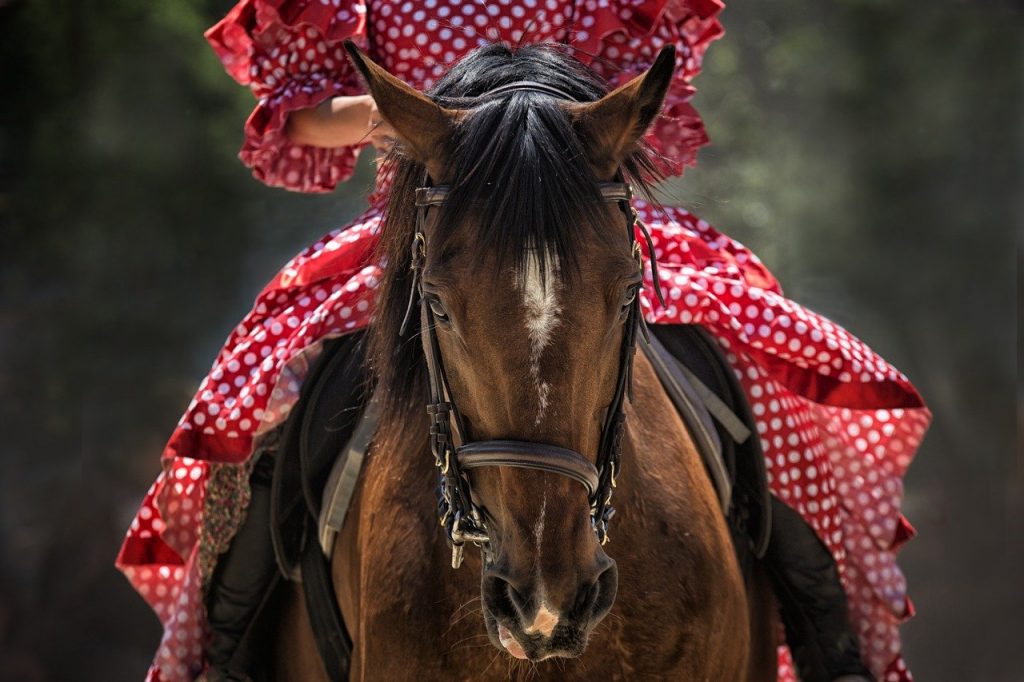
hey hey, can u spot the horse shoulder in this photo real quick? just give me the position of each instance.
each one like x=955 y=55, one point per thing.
x=680 y=584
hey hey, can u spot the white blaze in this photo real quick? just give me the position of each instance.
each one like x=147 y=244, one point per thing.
x=541 y=305
x=538 y=530
x=544 y=622
x=540 y=302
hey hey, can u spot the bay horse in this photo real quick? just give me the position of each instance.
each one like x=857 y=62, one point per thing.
x=511 y=299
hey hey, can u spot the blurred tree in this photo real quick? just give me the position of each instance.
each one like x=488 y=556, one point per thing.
x=133 y=239
x=870 y=152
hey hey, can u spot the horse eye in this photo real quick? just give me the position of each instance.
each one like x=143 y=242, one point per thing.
x=438 y=310
x=630 y=297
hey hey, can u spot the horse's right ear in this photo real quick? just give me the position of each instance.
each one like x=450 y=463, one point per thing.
x=424 y=127
x=613 y=125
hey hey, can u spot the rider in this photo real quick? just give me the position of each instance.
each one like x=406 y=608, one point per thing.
x=838 y=424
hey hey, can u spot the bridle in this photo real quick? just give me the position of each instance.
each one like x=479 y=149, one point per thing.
x=454 y=454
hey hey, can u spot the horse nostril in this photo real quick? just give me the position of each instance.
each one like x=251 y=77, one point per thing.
x=518 y=600
x=502 y=598
x=601 y=595
x=587 y=596
x=593 y=600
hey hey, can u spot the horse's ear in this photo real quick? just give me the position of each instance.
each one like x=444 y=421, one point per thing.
x=611 y=126
x=424 y=127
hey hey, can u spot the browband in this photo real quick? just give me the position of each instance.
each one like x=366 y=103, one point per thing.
x=527 y=86
x=436 y=196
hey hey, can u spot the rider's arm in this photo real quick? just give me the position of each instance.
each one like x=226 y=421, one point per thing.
x=339 y=122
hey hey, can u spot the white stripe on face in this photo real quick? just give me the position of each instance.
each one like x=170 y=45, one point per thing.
x=541 y=305
x=543 y=623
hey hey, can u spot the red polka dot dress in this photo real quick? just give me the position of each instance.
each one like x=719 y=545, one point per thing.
x=839 y=425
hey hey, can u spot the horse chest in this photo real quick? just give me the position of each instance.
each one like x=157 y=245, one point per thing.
x=413 y=617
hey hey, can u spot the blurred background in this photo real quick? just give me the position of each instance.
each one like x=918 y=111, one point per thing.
x=869 y=150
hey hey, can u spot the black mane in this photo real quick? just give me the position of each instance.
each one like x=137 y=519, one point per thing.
x=520 y=169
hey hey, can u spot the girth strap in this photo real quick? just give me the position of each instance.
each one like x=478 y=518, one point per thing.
x=698 y=423
x=717 y=407
x=524 y=455
x=329 y=632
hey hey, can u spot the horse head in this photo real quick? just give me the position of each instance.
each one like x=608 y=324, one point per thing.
x=528 y=275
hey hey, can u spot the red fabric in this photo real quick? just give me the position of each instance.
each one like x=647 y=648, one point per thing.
x=624 y=37
x=290 y=54
x=839 y=425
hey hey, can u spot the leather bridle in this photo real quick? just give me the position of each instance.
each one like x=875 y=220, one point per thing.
x=454 y=454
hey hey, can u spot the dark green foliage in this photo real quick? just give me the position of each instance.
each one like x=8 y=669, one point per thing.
x=870 y=151
x=132 y=242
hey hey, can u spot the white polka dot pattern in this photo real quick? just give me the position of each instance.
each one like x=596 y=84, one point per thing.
x=159 y=559
x=290 y=53
x=836 y=443
x=838 y=424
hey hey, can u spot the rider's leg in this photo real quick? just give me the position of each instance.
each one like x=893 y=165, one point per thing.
x=812 y=601
x=241 y=581
x=333 y=394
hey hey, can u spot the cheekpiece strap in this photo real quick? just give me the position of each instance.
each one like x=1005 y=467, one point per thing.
x=453 y=455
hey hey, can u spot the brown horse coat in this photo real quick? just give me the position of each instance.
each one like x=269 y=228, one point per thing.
x=681 y=611
x=530 y=358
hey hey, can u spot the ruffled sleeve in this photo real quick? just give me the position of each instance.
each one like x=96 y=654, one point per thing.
x=621 y=38
x=290 y=53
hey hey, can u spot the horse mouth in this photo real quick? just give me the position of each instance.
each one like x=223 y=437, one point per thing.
x=511 y=644
x=529 y=648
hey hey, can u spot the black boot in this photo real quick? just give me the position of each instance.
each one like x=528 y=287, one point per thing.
x=242 y=583
x=812 y=601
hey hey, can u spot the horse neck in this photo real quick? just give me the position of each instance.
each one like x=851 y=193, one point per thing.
x=663 y=479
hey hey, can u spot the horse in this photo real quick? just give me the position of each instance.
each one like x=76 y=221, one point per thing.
x=511 y=298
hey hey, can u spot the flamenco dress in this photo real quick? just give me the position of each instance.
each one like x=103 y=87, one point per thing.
x=838 y=424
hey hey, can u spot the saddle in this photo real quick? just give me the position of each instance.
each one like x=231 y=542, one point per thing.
x=333 y=423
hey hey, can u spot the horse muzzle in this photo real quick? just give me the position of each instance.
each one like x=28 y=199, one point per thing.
x=529 y=621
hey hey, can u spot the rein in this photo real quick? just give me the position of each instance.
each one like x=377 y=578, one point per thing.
x=454 y=454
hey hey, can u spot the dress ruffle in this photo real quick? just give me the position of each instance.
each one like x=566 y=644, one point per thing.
x=289 y=52
x=838 y=424
x=621 y=39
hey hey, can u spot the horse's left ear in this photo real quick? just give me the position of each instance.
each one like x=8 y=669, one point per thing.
x=611 y=126
x=423 y=126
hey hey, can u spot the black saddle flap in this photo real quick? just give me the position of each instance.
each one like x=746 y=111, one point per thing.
x=317 y=429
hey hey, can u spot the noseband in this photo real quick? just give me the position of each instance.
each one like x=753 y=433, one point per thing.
x=454 y=454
